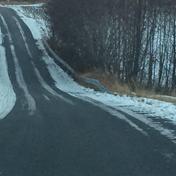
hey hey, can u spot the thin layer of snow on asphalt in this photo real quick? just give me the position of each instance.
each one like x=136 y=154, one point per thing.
x=7 y=94
x=153 y=108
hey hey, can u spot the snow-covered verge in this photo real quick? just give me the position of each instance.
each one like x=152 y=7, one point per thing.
x=133 y=106
x=116 y=105
x=151 y=107
x=35 y=17
x=7 y=95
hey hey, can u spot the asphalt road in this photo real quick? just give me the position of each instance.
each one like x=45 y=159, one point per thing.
x=59 y=135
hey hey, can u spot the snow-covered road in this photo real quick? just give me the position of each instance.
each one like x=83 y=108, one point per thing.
x=112 y=104
x=155 y=108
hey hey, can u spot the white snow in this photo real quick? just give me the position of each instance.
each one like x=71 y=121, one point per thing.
x=37 y=25
x=113 y=104
x=7 y=95
x=49 y=88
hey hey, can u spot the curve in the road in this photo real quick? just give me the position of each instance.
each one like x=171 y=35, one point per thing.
x=50 y=133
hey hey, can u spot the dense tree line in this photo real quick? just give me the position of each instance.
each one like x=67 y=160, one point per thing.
x=134 y=40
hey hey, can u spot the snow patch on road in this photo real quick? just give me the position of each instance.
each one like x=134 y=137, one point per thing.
x=7 y=94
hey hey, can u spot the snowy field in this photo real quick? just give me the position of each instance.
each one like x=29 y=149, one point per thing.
x=145 y=110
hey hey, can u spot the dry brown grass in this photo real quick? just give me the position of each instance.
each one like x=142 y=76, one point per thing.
x=115 y=86
x=164 y=98
x=110 y=82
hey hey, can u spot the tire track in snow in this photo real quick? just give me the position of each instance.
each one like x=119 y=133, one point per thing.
x=40 y=79
x=123 y=112
x=31 y=104
x=158 y=127
x=7 y=94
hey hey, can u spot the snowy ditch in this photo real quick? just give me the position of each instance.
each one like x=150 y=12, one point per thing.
x=7 y=94
x=110 y=103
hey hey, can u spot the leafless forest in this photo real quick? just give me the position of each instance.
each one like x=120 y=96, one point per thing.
x=134 y=40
